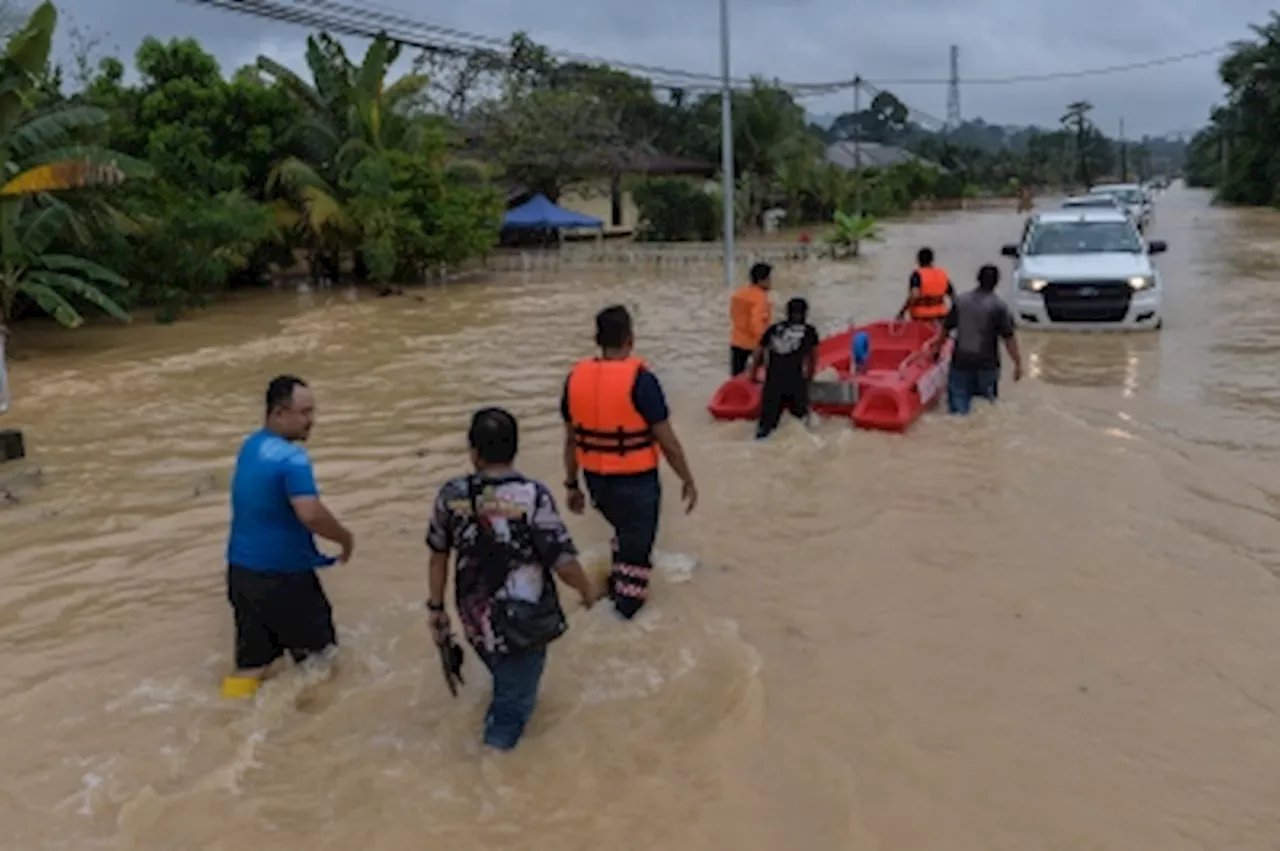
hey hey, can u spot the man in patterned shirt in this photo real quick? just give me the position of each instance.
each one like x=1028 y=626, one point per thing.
x=509 y=539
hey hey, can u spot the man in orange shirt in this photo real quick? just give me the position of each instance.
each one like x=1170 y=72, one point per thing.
x=750 y=314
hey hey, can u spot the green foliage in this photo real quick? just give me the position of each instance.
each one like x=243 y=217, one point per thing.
x=1207 y=157
x=198 y=225
x=1238 y=153
x=38 y=144
x=673 y=210
x=372 y=177
x=243 y=171
x=546 y=139
x=850 y=230
x=185 y=247
x=415 y=215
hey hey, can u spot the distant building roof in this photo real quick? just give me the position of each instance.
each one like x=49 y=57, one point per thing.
x=634 y=159
x=649 y=162
x=873 y=155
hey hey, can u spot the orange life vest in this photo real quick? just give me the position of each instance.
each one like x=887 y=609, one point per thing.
x=931 y=302
x=611 y=436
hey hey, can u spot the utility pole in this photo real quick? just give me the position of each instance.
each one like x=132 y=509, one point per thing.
x=726 y=147
x=1124 y=155
x=857 y=144
x=12 y=446
x=953 y=90
x=4 y=372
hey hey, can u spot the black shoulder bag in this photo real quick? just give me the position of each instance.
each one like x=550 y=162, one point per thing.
x=521 y=624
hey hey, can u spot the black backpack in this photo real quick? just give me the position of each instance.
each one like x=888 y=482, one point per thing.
x=522 y=625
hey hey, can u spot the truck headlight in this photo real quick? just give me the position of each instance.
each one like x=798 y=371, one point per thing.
x=1034 y=285
x=1142 y=283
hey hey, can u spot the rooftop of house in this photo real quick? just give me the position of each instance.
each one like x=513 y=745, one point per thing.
x=873 y=155
x=637 y=158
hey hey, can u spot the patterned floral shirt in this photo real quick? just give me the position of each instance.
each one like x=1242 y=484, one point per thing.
x=520 y=513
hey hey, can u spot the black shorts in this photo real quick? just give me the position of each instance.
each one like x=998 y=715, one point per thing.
x=278 y=612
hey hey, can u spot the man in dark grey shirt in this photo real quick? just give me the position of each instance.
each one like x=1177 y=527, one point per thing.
x=980 y=320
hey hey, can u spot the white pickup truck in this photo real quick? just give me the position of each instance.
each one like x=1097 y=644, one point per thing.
x=1086 y=270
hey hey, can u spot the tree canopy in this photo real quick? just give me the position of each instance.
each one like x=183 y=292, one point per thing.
x=1238 y=153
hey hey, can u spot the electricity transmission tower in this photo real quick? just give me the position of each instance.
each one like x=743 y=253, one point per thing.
x=953 y=90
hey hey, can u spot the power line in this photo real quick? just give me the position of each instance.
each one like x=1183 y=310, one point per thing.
x=1065 y=75
x=368 y=22
x=386 y=14
x=380 y=12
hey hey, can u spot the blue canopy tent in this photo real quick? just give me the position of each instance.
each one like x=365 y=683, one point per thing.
x=538 y=213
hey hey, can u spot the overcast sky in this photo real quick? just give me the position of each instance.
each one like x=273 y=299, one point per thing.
x=815 y=40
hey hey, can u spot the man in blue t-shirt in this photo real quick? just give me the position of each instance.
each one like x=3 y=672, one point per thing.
x=272 y=584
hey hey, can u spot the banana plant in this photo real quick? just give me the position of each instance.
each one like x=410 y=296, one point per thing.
x=350 y=113
x=39 y=157
x=849 y=231
x=309 y=211
x=36 y=163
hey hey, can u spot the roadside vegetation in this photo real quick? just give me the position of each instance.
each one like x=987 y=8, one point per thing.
x=189 y=180
x=1238 y=152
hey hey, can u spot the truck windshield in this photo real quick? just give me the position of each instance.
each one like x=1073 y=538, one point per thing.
x=1084 y=238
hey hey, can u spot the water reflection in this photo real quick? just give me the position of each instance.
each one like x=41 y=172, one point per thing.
x=1126 y=361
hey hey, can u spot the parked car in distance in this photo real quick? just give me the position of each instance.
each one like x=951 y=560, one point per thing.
x=1131 y=197
x=1091 y=202
x=1086 y=270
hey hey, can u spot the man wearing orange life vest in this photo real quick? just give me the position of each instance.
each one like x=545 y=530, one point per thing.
x=750 y=314
x=617 y=428
x=929 y=290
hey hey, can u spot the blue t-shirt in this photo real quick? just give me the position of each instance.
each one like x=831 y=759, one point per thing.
x=266 y=534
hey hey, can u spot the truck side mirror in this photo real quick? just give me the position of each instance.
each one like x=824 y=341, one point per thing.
x=1157 y=246
x=1009 y=251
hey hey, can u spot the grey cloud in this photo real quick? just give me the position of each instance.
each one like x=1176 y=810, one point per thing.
x=811 y=40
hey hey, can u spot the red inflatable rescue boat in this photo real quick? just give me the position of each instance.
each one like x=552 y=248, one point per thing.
x=906 y=373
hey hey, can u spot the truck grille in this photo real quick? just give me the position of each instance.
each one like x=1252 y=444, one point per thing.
x=1094 y=301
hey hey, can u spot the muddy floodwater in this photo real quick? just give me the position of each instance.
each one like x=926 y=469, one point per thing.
x=1054 y=625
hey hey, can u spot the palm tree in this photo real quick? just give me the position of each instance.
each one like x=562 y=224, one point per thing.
x=1076 y=120
x=39 y=157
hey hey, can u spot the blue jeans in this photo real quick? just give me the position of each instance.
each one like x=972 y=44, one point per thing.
x=631 y=504
x=516 y=677
x=964 y=384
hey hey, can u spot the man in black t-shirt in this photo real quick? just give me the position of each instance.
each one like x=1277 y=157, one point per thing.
x=980 y=321
x=790 y=351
